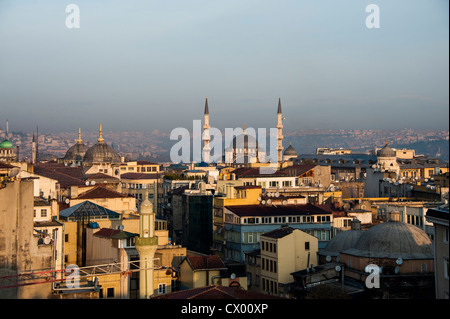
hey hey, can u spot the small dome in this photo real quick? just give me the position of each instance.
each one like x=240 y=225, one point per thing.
x=245 y=141
x=393 y=240
x=101 y=153
x=6 y=144
x=386 y=151
x=290 y=151
x=76 y=152
x=341 y=242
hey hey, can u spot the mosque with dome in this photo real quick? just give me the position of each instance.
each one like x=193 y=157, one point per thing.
x=99 y=158
x=402 y=252
x=244 y=148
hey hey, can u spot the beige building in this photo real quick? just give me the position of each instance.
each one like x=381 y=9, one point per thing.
x=439 y=217
x=138 y=184
x=26 y=245
x=139 y=167
x=283 y=251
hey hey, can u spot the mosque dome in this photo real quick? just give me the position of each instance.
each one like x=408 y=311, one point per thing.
x=101 y=152
x=76 y=152
x=393 y=239
x=341 y=242
x=6 y=144
x=290 y=151
x=245 y=141
x=386 y=151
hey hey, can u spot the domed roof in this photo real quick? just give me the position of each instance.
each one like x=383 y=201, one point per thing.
x=341 y=242
x=245 y=141
x=101 y=153
x=386 y=151
x=290 y=151
x=76 y=152
x=6 y=144
x=146 y=206
x=393 y=239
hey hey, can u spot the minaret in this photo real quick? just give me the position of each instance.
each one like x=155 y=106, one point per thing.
x=33 y=151
x=206 y=137
x=280 y=132
x=146 y=245
x=37 y=144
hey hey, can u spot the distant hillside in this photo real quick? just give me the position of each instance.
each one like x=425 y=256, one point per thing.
x=430 y=148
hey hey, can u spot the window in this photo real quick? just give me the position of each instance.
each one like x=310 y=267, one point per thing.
x=35 y=213
x=66 y=238
x=44 y=212
x=161 y=288
x=110 y=293
x=306 y=245
x=446 y=268
x=446 y=236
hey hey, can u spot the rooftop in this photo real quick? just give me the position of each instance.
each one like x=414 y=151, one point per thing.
x=281 y=210
x=205 y=262
x=88 y=210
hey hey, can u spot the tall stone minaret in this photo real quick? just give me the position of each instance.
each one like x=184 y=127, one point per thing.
x=206 y=137
x=33 y=151
x=146 y=245
x=280 y=132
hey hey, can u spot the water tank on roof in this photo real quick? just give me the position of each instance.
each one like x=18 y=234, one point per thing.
x=93 y=225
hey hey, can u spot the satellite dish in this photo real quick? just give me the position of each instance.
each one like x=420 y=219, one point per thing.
x=399 y=261
x=87 y=183
x=269 y=201
x=337 y=268
x=13 y=172
x=47 y=240
x=93 y=183
x=233 y=276
x=259 y=198
x=285 y=202
x=277 y=194
x=67 y=201
x=263 y=202
x=121 y=227
x=328 y=258
x=397 y=270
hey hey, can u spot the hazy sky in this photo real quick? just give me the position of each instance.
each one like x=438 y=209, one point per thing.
x=144 y=65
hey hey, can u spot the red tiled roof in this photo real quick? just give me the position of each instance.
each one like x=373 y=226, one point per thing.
x=107 y=232
x=101 y=176
x=100 y=192
x=286 y=210
x=248 y=187
x=63 y=179
x=256 y=172
x=298 y=169
x=139 y=176
x=205 y=262
x=4 y=165
x=215 y=292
